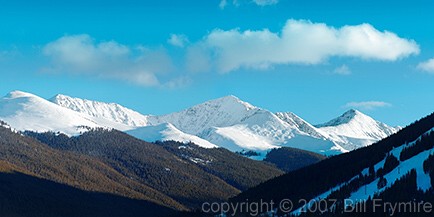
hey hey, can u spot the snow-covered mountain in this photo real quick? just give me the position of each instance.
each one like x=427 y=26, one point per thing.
x=167 y=132
x=226 y=122
x=236 y=125
x=144 y=127
x=353 y=129
x=355 y=124
x=222 y=112
x=231 y=123
x=110 y=111
x=25 y=111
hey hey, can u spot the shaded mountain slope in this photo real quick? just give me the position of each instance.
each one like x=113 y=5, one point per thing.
x=23 y=195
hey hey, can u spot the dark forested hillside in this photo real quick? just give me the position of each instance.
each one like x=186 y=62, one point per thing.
x=131 y=176
x=147 y=163
x=187 y=179
x=36 y=180
x=23 y=195
x=238 y=171
x=290 y=159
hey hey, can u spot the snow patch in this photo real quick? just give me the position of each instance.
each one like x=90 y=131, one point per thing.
x=166 y=132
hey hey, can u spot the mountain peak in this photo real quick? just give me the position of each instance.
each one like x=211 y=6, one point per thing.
x=59 y=97
x=355 y=124
x=220 y=112
x=352 y=112
x=345 y=118
x=230 y=100
x=229 y=97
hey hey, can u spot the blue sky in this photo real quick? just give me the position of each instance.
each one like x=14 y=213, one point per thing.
x=314 y=58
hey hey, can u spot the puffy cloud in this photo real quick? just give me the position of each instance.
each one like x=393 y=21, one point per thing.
x=177 y=40
x=80 y=54
x=299 y=42
x=427 y=66
x=367 y=105
x=303 y=42
x=266 y=2
x=342 y=70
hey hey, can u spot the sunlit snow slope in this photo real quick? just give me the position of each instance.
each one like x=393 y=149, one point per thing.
x=110 y=111
x=25 y=111
x=354 y=129
x=167 y=132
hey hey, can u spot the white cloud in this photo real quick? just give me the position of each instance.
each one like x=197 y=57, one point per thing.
x=427 y=66
x=303 y=42
x=266 y=2
x=80 y=54
x=342 y=70
x=367 y=105
x=299 y=42
x=178 y=40
x=223 y=4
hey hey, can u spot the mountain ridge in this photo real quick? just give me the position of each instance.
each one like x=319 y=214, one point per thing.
x=110 y=111
x=226 y=122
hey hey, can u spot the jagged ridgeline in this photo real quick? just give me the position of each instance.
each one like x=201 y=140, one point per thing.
x=226 y=122
x=397 y=168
